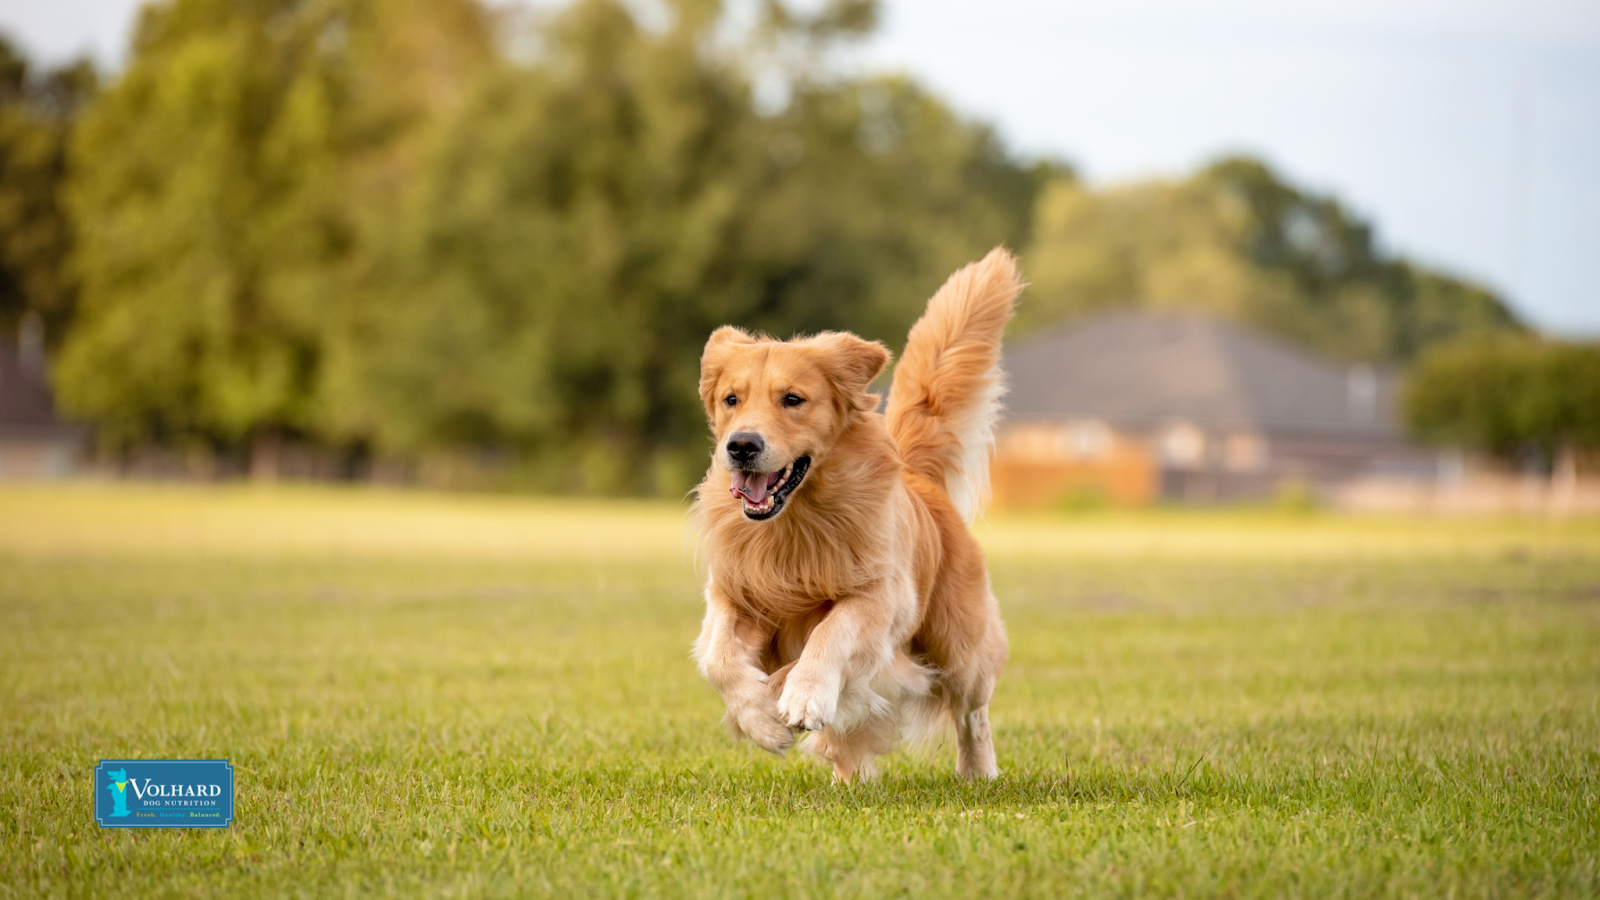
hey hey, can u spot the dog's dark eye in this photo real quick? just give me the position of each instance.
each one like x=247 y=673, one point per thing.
x=792 y=400
x=731 y=400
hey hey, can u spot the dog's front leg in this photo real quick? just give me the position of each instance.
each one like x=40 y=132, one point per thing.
x=728 y=650
x=857 y=637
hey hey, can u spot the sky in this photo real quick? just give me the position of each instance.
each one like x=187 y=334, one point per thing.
x=1467 y=131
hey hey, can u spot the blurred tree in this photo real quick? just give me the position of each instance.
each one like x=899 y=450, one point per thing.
x=223 y=190
x=1235 y=240
x=1516 y=397
x=366 y=224
x=589 y=217
x=37 y=113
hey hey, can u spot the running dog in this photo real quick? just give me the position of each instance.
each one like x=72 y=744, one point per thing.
x=845 y=596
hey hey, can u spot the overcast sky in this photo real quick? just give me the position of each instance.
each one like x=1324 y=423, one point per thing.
x=1468 y=131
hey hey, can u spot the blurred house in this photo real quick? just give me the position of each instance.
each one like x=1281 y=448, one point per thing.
x=1135 y=408
x=34 y=443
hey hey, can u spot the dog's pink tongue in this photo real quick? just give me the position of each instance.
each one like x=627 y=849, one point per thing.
x=751 y=485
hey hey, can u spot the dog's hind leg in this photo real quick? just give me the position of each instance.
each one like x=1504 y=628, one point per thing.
x=975 y=744
x=852 y=753
x=967 y=683
x=970 y=679
x=969 y=706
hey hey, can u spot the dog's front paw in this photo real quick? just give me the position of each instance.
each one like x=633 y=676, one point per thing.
x=759 y=721
x=809 y=701
x=768 y=731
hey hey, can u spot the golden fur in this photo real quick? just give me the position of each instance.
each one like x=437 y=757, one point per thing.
x=860 y=610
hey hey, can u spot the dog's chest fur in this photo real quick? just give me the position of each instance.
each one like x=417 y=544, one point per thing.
x=786 y=569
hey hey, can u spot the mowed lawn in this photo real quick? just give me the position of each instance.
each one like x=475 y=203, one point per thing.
x=470 y=696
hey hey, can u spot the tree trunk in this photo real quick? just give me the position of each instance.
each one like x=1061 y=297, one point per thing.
x=266 y=455
x=1564 y=480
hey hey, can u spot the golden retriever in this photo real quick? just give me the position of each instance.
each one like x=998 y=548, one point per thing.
x=844 y=594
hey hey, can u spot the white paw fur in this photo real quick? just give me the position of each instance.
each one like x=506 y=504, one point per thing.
x=810 y=700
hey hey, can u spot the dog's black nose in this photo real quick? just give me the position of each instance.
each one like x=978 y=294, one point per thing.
x=744 y=447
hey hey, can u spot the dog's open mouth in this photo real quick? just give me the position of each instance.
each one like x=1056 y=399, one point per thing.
x=764 y=493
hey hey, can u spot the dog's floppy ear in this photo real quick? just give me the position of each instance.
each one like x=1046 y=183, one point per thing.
x=851 y=364
x=715 y=356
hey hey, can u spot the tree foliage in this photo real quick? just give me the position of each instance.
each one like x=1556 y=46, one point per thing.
x=223 y=187
x=37 y=112
x=530 y=265
x=1235 y=240
x=1514 y=397
x=413 y=228
x=587 y=220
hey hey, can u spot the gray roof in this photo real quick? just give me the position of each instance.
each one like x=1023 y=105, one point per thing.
x=1141 y=371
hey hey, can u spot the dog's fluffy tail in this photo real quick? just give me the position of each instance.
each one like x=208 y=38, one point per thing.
x=947 y=387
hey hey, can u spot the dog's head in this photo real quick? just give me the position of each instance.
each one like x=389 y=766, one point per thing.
x=778 y=407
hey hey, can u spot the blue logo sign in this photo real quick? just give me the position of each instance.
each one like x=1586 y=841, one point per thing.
x=163 y=793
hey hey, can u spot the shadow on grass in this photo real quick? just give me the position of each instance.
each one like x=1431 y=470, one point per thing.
x=778 y=788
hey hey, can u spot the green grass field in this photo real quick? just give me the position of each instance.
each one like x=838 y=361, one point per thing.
x=466 y=696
